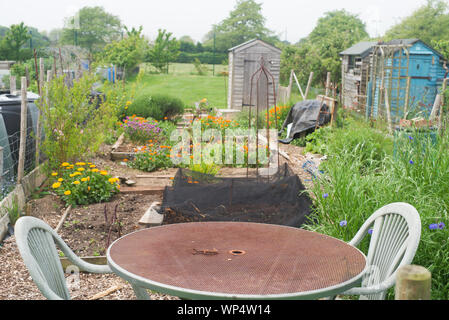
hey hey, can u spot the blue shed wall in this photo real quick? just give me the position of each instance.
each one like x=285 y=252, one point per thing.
x=426 y=72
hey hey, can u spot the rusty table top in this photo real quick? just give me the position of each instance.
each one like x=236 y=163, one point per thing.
x=236 y=260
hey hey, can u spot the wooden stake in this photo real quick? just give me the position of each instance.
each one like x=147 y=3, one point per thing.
x=23 y=130
x=38 y=124
x=290 y=85
x=299 y=86
x=12 y=84
x=64 y=217
x=441 y=109
x=41 y=75
x=27 y=75
x=387 y=107
x=49 y=75
x=328 y=84
x=309 y=83
x=413 y=283
x=407 y=97
x=106 y=292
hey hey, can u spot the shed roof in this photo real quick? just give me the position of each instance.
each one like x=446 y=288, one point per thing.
x=254 y=42
x=359 y=49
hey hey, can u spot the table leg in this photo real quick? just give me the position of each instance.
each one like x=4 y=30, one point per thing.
x=141 y=293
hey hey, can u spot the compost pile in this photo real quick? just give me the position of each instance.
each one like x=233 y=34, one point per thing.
x=197 y=197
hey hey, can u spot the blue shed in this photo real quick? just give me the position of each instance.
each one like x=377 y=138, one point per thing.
x=411 y=73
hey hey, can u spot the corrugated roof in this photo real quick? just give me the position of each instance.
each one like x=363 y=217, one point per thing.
x=359 y=49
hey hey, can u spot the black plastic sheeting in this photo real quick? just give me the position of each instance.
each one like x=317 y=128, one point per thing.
x=304 y=116
x=197 y=197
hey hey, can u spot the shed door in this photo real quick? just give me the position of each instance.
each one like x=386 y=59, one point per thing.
x=251 y=65
x=422 y=89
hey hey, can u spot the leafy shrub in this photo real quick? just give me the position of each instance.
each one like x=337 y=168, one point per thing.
x=74 y=125
x=158 y=106
x=82 y=183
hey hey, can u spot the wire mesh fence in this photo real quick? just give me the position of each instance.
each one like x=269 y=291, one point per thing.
x=10 y=155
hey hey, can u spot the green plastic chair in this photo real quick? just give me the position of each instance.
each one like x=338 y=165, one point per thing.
x=37 y=245
x=396 y=232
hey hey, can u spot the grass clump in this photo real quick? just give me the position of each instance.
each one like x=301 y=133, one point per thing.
x=368 y=169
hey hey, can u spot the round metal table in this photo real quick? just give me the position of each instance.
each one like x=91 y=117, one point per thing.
x=235 y=260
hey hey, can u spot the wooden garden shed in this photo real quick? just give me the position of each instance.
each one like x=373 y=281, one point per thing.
x=403 y=76
x=406 y=76
x=355 y=74
x=244 y=61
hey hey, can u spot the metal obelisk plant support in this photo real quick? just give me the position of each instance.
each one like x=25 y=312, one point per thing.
x=256 y=79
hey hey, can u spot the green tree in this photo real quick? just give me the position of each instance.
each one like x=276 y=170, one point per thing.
x=91 y=28
x=165 y=50
x=441 y=46
x=319 y=52
x=244 y=23
x=127 y=53
x=16 y=37
x=429 y=22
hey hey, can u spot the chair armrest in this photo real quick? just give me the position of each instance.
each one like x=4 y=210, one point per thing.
x=368 y=290
x=88 y=267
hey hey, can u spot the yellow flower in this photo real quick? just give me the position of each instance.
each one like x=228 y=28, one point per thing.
x=56 y=185
x=95 y=170
x=103 y=173
x=113 y=180
x=88 y=188
x=72 y=175
x=68 y=193
x=77 y=182
x=65 y=164
x=80 y=163
x=81 y=169
x=54 y=174
x=84 y=179
x=93 y=166
x=60 y=180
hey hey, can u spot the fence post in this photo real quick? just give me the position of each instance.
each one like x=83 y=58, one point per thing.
x=23 y=131
x=328 y=84
x=308 y=86
x=38 y=125
x=413 y=283
x=12 y=84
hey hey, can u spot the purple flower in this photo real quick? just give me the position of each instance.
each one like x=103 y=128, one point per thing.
x=411 y=138
x=370 y=232
x=326 y=195
x=343 y=223
x=433 y=226
x=411 y=162
x=441 y=226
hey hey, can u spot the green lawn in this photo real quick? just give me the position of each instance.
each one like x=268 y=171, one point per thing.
x=183 y=82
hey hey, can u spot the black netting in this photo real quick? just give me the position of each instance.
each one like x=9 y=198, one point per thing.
x=197 y=197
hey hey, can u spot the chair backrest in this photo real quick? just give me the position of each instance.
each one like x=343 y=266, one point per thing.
x=36 y=243
x=396 y=232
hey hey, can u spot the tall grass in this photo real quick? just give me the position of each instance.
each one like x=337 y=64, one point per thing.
x=367 y=170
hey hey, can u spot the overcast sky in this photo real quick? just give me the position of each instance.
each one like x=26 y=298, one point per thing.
x=292 y=19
